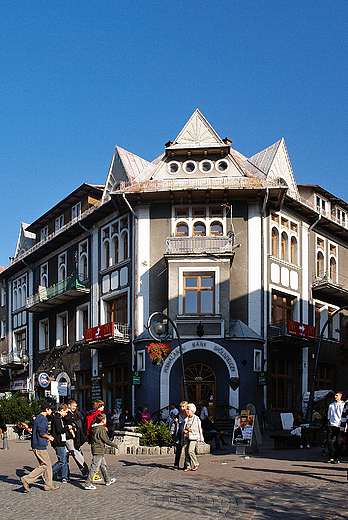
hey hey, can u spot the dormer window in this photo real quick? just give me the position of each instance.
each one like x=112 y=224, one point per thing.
x=44 y=233
x=59 y=222
x=76 y=211
x=322 y=205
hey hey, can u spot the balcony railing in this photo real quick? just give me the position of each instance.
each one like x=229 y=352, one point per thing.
x=330 y=287
x=64 y=290
x=200 y=244
x=10 y=360
x=120 y=334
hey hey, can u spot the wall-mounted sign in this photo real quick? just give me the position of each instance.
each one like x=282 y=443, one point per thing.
x=17 y=385
x=43 y=380
x=136 y=378
x=262 y=379
x=100 y=332
x=294 y=328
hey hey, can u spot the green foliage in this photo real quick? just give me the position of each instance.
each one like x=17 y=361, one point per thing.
x=17 y=408
x=154 y=434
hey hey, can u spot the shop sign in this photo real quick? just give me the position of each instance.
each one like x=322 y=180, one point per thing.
x=100 y=332
x=294 y=328
x=136 y=378
x=96 y=392
x=17 y=385
x=262 y=379
x=43 y=380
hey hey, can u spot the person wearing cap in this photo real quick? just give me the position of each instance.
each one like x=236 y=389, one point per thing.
x=39 y=442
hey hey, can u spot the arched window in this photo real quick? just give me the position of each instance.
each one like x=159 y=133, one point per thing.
x=320 y=265
x=216 y=228
x=62 y=273
x=284 y=247
x=83 y=268
x=275 y=242
x=293 y=250
x=333 y=269
x=199 y=229
x=181 y=230
x=24 y=295
x=19 y=298
x=124 y=245
x=106 y=255
x=15 y=299
x=115 y=248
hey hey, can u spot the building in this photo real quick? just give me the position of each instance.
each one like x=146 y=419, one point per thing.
x=246 y=262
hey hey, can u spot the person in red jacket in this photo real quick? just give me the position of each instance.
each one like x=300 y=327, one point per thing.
x=98 y=407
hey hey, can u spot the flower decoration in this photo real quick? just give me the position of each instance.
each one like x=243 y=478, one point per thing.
x=158 y=352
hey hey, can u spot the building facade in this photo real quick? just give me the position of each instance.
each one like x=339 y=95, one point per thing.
x=247 y=263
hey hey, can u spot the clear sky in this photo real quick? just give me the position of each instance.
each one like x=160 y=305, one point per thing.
x=78 y=77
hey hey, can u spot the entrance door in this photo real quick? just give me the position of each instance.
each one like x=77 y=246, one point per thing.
x=201 y=386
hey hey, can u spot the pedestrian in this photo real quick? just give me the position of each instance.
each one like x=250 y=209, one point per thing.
x=192 y=434
x=334 y=415
x=97 y=408
x=204 y=412
x=59 y=432
x=146 y=417
x=76 y=436
x=178 y=435
x=98 y=440
x=39 y=442
x=115 y=423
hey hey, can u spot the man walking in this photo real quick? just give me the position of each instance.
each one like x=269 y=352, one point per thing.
x=75 y=437
x=334 y=415
x=39 y=442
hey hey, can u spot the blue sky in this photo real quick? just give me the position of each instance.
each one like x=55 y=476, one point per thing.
x=77 y=78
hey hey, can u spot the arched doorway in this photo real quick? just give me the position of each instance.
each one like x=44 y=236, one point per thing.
x=201 y=385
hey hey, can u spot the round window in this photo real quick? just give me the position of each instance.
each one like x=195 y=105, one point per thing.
x=173 y=167
x=205 y=166
x=190 y=166
x=222 y=165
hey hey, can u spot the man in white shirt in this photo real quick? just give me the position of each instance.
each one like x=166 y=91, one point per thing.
x=334 y=415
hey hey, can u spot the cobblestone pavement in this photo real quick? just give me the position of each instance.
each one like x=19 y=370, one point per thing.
x=272 y=484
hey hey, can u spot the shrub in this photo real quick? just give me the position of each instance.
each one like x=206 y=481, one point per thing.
x=17 y=408
x=154 y=434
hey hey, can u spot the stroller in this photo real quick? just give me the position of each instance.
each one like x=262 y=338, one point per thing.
x=24 y=431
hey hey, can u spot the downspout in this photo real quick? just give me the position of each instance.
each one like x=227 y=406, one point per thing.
x=265 y=353
x=84 y=228
x=315 y=223
x=128 y=204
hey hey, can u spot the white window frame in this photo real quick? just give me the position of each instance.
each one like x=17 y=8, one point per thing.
x=198 y=270
x=76 y=211
x=59 y=223
x=3 y=296
x=257 y=360
x=44 y=275
x=62 y=263
x=191 y=220
x=83 y=256
x=141 y=360
x=42 y=324
x=59 y=330
x=80 y=333
x=44 y=233
x=3 y=329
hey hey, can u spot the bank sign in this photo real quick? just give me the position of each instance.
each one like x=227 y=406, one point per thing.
x=294 y=328
x=100 y=332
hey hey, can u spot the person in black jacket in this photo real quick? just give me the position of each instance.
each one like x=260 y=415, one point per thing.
x=59 y=432
x=76 y=436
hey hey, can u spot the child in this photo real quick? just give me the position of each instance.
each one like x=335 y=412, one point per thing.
x=99 y=438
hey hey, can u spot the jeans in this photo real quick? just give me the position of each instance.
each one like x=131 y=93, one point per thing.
x=61 y=466
x=212 y=434
x=98 y=461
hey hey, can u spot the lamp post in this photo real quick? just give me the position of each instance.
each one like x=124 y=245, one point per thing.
x=27 y=361
x=160 y=329
x=311 y=395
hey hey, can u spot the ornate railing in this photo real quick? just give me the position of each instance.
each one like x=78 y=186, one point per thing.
x=45 y=293
x=199 y=244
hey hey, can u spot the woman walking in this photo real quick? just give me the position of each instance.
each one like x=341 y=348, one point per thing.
x=192 y=434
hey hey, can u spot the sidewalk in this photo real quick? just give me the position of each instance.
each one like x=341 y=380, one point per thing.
x=281 y=484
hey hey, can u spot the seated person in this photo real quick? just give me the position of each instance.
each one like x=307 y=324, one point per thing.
x=298 y=423
x=209 y=432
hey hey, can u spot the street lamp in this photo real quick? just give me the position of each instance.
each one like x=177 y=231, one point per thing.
x=25 y=357
x=161 y=331
x=311 y=395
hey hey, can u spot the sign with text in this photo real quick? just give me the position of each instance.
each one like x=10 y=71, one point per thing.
x=136 y=378
x=43 y=380
x=294 y=328
x=100 y=332
x=243 y=430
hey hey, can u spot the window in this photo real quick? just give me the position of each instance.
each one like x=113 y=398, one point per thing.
x=330 y=327
x=116 y=383
x=62 y=267
x=83 y=260
x=324 y=377
x=293 y=250
x=76 y=211
x=43 y=335
x=124 y=242
x=83 y=380
x=115 y=248
x=19 y=292
x=59 y=222
x=44 y=275
x=181 y=230
x=275 y=242
x=282 y=308
x=332 y=269
x=106 y=254
x=320 y=265
x=44 y=233
x=318 y=309
x=282 y=384
x=82 y=321
x=20 y=341
x=116 y=310
x=216 y=228
x=3 y=296
x=341 y=217
x=62 y=330
x=3 y=329
x=257 y=360
x=284 y=247
x=140 y=360
x=199 y=229
x=199 y=294
x=322 y=205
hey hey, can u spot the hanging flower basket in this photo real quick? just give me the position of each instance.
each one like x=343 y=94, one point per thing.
x=158 y=352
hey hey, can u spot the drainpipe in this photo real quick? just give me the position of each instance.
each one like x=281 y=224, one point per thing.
x=128 y=204
x=265 y=353
x=315 y=223
x=84 y=228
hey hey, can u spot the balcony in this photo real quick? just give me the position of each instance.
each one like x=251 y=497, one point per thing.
x=12 y=361
x=199 y=245
x=108 y=335
x=332 y=290
x=280 y=334
x=61 y=292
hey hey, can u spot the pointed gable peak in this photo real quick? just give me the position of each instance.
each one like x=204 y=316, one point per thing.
x=197 y=133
